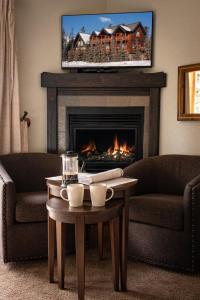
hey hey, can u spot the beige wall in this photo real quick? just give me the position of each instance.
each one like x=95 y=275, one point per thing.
x=176 y=42
x=39 y=50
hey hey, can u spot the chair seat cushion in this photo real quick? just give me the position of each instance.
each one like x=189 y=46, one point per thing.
x=158 y=209
x=31 y=207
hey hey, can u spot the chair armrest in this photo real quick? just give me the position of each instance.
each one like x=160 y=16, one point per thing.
x=191 y=204
x=191 y=216
x=144 y=171
x=7 y=199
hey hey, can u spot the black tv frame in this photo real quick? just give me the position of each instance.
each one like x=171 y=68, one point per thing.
x=109 y=68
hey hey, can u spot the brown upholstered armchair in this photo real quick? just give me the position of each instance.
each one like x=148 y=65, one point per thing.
x=165 y=211
x=23 y=195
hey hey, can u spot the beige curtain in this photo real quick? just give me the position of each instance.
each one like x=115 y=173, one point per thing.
x=10 y=135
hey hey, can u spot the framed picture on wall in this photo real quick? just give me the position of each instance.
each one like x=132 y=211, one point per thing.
x=107 y=40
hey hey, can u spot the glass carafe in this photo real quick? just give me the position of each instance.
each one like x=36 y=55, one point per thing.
x=69 y=168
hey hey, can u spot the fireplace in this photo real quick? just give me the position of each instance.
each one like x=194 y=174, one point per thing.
x=105 y=91
x=106 y=137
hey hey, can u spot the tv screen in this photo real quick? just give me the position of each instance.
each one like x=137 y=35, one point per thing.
x=107 y=40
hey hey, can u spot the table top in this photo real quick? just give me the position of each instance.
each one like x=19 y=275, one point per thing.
x=56 y=184
x=54 y=187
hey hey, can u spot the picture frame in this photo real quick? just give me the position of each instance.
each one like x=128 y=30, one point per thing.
x=107 y=40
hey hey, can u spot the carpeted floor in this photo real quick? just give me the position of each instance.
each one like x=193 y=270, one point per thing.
x=28 y=281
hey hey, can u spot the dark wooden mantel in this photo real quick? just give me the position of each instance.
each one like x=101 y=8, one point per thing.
x=127 y=83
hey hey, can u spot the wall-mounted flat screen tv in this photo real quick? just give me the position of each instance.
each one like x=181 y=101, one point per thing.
x=107 y=40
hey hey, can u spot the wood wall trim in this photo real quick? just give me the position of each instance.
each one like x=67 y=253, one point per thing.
x=102 y=80
x=52 y=120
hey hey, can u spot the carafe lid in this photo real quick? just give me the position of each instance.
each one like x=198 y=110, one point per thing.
x=70 y=154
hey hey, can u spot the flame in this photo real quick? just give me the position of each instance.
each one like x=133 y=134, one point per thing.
x=124 y=147
x=116 y=143
x=119 y=149
x=91 y=147
x=115 y=151
x=110 y=151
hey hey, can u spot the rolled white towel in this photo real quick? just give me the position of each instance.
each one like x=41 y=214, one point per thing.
x=87 y=178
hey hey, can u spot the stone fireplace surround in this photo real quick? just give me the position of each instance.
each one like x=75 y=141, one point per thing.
x=65 y=102
x=107 y=90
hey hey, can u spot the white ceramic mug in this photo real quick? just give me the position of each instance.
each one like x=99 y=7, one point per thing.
x=75 y=193
x=98 y=194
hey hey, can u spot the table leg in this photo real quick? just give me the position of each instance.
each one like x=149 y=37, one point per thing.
x=114 y=237
x=80 y=255
x=60 y=236
x=100 y=239
x=124 y=241
x=51 y=248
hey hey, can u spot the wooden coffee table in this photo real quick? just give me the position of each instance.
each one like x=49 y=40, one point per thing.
x=115 y=212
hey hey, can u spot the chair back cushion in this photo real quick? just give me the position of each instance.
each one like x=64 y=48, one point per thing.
x=165 y=174
x=28 y=170
x=173 y=172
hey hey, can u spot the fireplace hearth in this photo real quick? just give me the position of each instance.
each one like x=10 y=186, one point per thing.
x=106 y=137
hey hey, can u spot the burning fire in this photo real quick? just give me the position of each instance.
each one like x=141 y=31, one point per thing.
x=117 y=151
x=91 y=147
